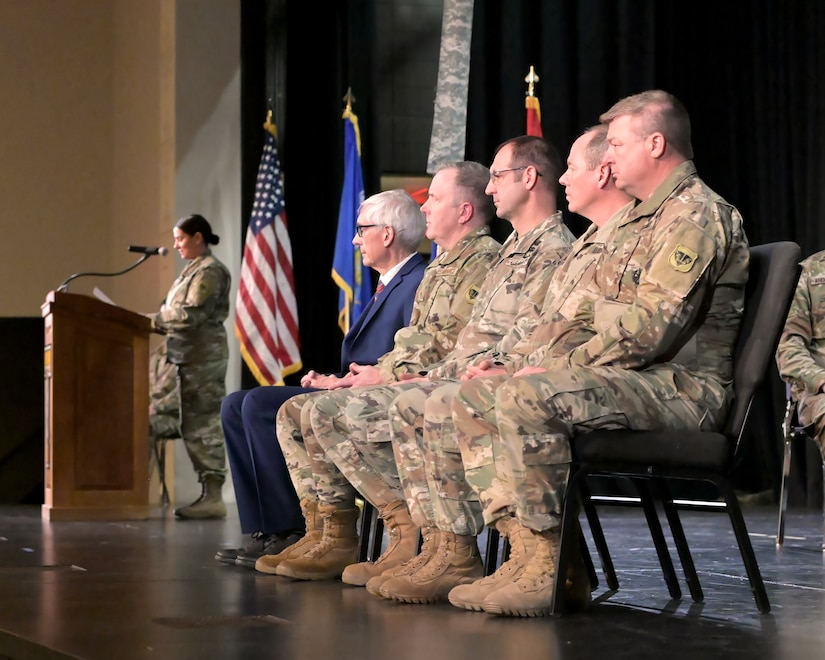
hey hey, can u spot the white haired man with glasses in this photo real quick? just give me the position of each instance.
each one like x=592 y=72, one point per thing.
x=389 y=228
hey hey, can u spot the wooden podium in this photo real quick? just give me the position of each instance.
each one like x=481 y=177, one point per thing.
x=96 y=363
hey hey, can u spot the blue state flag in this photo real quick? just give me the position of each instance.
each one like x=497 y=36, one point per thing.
x=348 y=270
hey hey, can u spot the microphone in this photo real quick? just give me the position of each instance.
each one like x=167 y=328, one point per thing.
x=145 y=252
x=162 y=251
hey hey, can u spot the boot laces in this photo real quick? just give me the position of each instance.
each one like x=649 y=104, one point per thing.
x=324 y=544
x=395 y=539
x=412 y=565
x=541 y=568
x=513 y=567
x=438 y=564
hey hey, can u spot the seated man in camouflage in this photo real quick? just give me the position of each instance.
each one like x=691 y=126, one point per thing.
x=664 y=321
x=800 y=355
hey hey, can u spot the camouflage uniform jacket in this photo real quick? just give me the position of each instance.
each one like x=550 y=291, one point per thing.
x=800 y=355
x=670 y=288
x=514 y=289
x=569 y=293
x=196 y=306
x=443 y=302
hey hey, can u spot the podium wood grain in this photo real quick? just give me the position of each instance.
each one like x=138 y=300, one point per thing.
x=96 y=370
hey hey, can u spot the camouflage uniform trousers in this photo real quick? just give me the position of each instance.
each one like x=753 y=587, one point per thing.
x=353 y=427
x=429 y=460
x=164 y=404
x=513 y=433
x=313 y=473
x=812 y=413
x=202 y=387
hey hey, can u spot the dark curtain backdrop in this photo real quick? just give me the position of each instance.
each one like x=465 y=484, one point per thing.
x=751 y=74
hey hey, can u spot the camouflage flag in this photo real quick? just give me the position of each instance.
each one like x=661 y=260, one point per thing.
x=450 y=115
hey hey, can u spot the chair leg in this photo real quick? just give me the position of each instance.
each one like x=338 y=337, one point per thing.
x=491 y=553
x=160 y=458
x=740 y=530
x=823 y=505
x=569 y=517
x=597 y=532
x=680 y=540
x=783 y=489
x=658 y=536
x=559 y=588
x=372 y=533
x=592 y=576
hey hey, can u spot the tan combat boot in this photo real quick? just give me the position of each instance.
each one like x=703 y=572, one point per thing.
x=522 y=547
x=429 y=545
x=455 y=561
x=530 y=594
x=402 y=546
x=314 y=530
x=209 y=504
x=337 y=549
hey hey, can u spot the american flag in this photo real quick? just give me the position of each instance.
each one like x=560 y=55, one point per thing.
x=266 y=312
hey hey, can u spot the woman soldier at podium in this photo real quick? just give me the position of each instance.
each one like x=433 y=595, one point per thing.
x=192 y=320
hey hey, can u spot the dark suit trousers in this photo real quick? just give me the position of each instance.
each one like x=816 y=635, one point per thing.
x=266 y=499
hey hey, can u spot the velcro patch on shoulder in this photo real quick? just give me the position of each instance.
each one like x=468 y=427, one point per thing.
x=472 y=293
x=682 y=258
x=816 y=280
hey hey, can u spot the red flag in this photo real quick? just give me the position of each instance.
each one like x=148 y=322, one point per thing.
x=266 y=312
x=533 y=116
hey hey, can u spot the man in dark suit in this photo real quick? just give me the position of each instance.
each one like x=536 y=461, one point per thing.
x=389 y=228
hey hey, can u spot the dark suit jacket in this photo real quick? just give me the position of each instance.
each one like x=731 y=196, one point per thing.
x=373 y=332
x=263 y=490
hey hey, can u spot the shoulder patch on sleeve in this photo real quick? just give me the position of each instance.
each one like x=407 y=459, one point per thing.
x=682 y=258
x=472 y=293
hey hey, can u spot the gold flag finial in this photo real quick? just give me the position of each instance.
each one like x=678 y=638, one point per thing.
x=269 y=126
x=349 y=98
x=531 y=80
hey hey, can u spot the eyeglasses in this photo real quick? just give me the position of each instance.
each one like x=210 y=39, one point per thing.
x=359 y=229
x=495 y=175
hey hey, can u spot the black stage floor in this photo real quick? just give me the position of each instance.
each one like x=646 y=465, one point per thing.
x=152 y=589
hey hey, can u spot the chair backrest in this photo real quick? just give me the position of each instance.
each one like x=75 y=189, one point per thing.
x=772 y=276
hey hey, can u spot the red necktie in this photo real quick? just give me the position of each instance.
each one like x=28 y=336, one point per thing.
x=378 y=290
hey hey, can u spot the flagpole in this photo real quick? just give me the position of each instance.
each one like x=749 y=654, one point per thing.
x=348 y=270
x=531 y=103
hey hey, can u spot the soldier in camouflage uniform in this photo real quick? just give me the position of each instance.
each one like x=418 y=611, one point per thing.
x=458 y=214
x=424 y=441
x=192 y=318
x=352 y=428
x=800 y=355
x=664 y=324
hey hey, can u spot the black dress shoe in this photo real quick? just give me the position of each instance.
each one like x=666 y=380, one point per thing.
x=275 y=544
x=257 y=544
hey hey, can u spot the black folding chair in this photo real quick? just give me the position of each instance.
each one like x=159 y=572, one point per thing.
x=650 y=460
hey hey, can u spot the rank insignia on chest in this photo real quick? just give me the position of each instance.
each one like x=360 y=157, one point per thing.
x=682 y=258
x=471 y=294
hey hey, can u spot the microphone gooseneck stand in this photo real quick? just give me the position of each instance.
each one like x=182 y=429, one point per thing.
x=65 y=283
